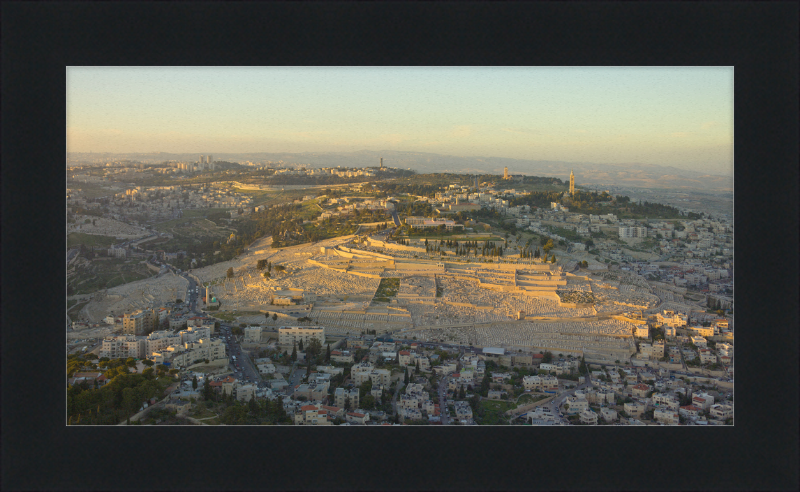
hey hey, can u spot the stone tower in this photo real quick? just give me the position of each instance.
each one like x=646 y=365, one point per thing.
x=571 y=183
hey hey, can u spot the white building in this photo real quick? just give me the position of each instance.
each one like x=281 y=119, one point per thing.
x=632 y=231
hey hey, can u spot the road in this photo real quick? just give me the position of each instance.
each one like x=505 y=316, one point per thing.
x=294 y=378
x=71 y=254
x=443 y=415
x=556 y=402
x=397 y=390
x=242 y=366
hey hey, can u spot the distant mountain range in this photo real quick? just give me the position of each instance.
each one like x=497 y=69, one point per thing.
x=586 y=173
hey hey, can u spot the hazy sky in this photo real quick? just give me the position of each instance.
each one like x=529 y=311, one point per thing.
x=669 y=116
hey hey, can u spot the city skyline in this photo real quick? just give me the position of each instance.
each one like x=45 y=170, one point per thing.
x=681 y=117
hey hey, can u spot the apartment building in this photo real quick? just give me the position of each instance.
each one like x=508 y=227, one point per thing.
x=342 y=356
x=122 y=347
x=654 y=351
x=377 y=391
x=380 y=377
x=640 y=390
x=341 y=394
x=194 y=334
x=703 y=400
x=702 y=331
x=290 y=335
x=253 y=334
x=690 y=412
x=405 y=357
x=632 y=231
x=360 y=373
x=725 y=348
x=720 y=412
x=707 y=356
x=588 y=417
x=609 y=414
x=665 y=400
x=190 y=352
x=463 y=410
x=574 y=405
x=314 y=390
x=634 y=409
x=667 y=416
x=140 y=322
x=160 y=340
x=312 y=415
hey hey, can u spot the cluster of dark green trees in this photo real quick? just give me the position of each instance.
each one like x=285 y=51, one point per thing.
x=414 y=208
x=119 y=398
x=487 y=248
x=648 y=209
x=254 y=412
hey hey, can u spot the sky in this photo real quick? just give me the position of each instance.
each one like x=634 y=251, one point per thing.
x=672 y=116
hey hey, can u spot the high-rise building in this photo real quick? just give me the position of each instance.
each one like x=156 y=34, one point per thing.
x=505 y=173
x=381 y=162
x=571 y=183
x=202 y=159
x=140 y=322
x=209 y=160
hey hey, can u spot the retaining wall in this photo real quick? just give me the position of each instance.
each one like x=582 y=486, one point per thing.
x=529 y=406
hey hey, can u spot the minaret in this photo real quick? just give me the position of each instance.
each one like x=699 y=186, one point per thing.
x=381 y=162
x=571 y=183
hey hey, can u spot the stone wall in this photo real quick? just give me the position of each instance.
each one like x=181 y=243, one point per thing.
x=527 y=408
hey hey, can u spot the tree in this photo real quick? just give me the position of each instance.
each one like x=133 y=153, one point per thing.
x=194 y=382
x=368 y=402
x=294 y=352
x=328 y=352
x=274 y=316
x=553 y=259
x=405 y=375
x=347 y=403
x=461 y=393
x=313 y=349
x=230 y=272
x=300 y=345
x=416 y=371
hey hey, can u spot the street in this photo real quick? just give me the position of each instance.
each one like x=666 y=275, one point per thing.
x=443 y=415
x=555 y=403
